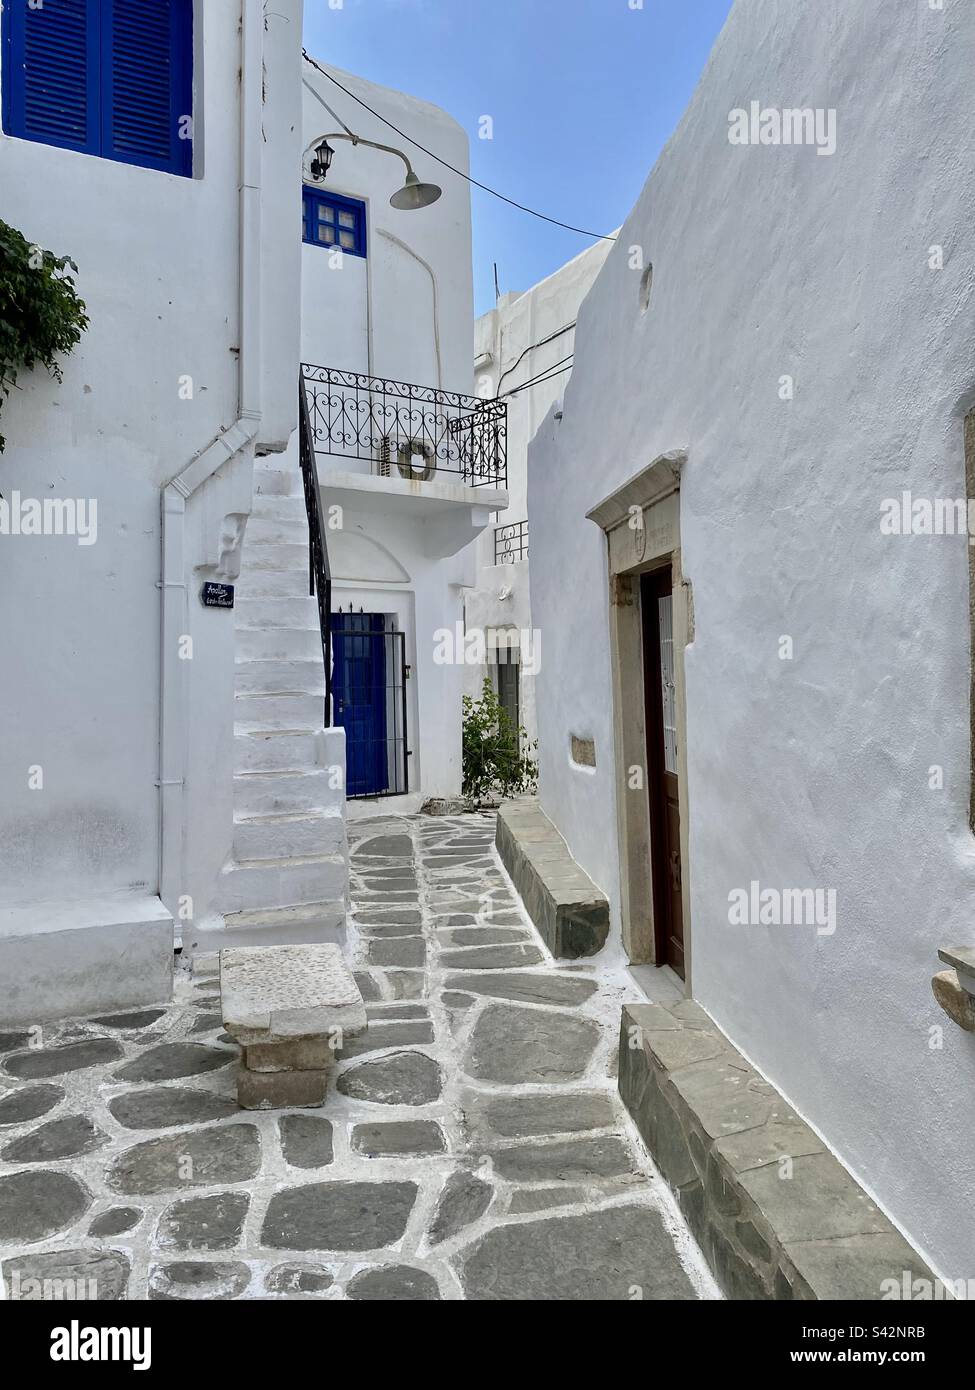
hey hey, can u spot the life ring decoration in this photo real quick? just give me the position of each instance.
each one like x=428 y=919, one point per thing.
x=407 y=454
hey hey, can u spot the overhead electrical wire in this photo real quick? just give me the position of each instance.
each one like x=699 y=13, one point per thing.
x=531 y=348
x=522 y=207
x=557 y=369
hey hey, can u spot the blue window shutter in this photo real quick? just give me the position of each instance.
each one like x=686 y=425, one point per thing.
x=50 y=76
x=147 y=65
x=333 y=221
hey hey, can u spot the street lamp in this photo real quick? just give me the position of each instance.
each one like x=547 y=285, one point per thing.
x=412 y=196
x=322 y=162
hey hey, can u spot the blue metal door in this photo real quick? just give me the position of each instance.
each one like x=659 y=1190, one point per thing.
x=360 y=694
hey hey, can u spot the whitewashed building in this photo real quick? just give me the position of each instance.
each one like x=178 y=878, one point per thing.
x=522 y=356
x=411 y=464
x=772 y=678
x=168 y=170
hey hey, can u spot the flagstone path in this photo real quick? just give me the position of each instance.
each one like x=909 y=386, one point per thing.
x=472 y=1144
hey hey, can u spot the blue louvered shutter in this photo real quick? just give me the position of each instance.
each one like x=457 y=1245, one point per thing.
x=147 y=82
x=50 y=72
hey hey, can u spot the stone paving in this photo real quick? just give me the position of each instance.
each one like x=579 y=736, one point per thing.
x=472 y=1144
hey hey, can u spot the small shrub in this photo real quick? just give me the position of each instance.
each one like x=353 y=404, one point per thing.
x=41 y=316
x=494 y=764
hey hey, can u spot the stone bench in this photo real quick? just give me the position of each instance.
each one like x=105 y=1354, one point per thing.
x=290 y=1008
x=775 y=1214
x=569 y=911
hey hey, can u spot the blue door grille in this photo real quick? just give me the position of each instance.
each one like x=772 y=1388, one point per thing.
x=369 y=694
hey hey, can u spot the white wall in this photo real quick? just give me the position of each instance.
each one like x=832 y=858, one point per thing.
x=405 y=312
x=811 y=772
x=510 y=349
x=390 y=306
x=158 y=260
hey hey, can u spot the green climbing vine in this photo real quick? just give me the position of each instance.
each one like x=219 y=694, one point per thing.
x=41 y=315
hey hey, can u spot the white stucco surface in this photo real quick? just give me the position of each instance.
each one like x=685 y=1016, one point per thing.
x=157 y=378
x=811 y=772
x=527 y=336
x=404 y=312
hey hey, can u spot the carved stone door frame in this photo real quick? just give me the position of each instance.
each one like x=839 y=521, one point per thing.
x=641 y=521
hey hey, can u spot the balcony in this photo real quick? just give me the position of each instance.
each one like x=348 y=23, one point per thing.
x=416 y=433
x=511 y=543
x=416 y=452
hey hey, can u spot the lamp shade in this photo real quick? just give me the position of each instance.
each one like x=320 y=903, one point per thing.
x=414 y=194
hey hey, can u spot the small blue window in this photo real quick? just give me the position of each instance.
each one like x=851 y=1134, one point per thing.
x=330 y=219
x=104 y=77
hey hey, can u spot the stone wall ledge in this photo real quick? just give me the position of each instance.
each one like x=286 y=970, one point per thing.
x=569 y=911
x=775 y=1214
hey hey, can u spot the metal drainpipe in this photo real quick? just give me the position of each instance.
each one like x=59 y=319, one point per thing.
x=174 y=598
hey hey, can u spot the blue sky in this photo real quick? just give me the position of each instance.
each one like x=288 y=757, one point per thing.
x=583 y=95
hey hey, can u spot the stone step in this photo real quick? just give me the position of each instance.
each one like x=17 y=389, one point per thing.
x=684 y=1082
x=570 y=912
x=285 y=750
x=274 y=555
x=257 y=581
x=285 y=793
x=275 y=883
x=276 y=480
x=322 y=921
x=277 y=530
x=288 y=995
x=268 y=612
x=301 y=711
x=278 y=644
x=285 y=836
x=279 y=507
x=269 y=677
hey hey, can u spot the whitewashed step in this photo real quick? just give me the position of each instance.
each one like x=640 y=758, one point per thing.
x=272 y=712
x=284 y=793
x=260 y=582
x=280 y=508
x=275 y=555
x=324 y=921
x=277 y=482
x=278 y=644
x=276 y=530
x=281 y=883
x=256 y=677
x=291 y=611
x=279 y=751
x=284 y=837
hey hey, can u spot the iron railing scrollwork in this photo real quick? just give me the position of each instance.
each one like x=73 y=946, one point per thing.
x=413 y=432
x=319 y=572
x=511 y=543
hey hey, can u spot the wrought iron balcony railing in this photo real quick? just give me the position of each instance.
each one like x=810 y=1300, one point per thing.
x=511 y=543
x=415 y=432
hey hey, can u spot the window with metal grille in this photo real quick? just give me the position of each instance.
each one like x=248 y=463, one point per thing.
x=507 y=683
x=104 y=77
x=330 y=219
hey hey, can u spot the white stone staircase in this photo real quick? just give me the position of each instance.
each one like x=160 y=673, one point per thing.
x=288 y=879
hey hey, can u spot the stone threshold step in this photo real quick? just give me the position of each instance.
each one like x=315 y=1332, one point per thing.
x=776 y=1215
x=568 y=910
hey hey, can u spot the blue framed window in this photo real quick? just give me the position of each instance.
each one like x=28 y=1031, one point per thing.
x=104 y=77
x=331 y=219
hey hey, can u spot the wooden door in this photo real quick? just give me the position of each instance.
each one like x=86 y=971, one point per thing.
x=659 y=674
